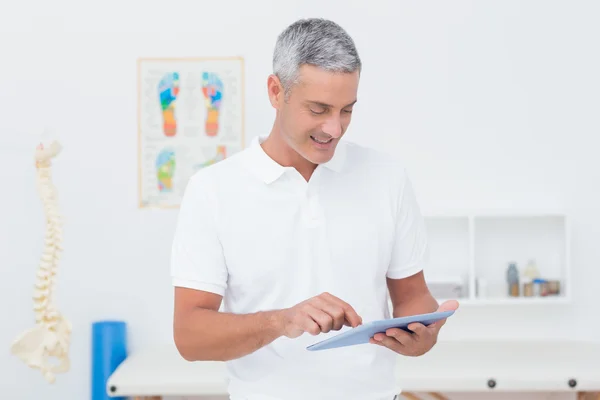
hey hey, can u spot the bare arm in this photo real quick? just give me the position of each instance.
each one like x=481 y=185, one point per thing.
x=202 y=332
x=411 y=296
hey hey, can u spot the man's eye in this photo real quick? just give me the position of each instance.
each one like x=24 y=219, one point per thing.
x=317 y=112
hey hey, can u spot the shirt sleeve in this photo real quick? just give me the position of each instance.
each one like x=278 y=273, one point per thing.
x=197 y=259
x=410 y=251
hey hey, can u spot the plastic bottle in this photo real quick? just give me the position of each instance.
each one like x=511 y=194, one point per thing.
x=512 y=278
x=531 y=270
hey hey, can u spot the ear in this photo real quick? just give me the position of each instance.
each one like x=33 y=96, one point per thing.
x=275 y=91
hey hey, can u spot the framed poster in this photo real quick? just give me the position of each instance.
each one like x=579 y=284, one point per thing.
x=190 y=115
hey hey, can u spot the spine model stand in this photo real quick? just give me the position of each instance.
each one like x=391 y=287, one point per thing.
x=51 y=336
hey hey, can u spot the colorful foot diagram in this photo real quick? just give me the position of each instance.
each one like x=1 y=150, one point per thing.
x=165 y=169
x=168 y=90
x=221 y=154
x=212 y=87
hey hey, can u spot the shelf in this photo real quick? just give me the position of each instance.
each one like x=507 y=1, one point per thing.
x=449 y=245
x=470 y=253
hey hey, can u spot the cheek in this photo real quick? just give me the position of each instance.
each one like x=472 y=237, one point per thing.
x=299 y=124
x=346 y=118
x=305 y=126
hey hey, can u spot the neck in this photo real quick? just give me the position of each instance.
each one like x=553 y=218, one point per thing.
x=276 y=148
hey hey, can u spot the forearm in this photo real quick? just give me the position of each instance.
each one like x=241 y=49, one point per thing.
x=421 y=304
x=218 y=336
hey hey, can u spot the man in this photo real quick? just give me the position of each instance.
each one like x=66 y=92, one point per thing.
x=299 y=236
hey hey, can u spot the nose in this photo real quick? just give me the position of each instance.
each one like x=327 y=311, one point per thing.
x=333 y=127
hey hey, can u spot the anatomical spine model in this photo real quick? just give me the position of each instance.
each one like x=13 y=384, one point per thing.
x=51 y=336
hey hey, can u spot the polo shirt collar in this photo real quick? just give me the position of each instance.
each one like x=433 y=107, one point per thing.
x=269 y=170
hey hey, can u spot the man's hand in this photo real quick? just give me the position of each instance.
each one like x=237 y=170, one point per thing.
x=321 y=313
x=417 y=343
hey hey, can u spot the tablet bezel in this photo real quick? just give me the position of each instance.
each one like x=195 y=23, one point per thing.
x=362 y=333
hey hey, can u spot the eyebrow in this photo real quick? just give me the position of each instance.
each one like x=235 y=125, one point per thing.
x=325 y=105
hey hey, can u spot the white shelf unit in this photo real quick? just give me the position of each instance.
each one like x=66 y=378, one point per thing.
x=473 y=251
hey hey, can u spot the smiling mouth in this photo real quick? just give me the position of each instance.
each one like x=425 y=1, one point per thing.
x=320 y=141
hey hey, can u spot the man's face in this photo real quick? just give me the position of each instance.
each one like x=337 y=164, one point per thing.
x=317 y=112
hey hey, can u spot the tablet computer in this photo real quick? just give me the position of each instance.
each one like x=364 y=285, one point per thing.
x=362 y=333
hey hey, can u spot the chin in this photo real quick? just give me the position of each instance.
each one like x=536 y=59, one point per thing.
x=318 y=157
x=317 y=154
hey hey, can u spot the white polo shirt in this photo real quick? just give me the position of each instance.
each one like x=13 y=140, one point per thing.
x=263 y=237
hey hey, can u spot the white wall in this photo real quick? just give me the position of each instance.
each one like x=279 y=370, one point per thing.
x=492 y=104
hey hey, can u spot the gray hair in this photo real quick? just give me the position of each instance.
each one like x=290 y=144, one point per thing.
x=317 y=42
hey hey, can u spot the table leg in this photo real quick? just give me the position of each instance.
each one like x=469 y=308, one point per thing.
x=409 y=396
x=588 y=396
x=438 y=396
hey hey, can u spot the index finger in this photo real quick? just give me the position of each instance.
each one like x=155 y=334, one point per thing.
x=417 y=328
x=437 y=325
x=349 y=313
